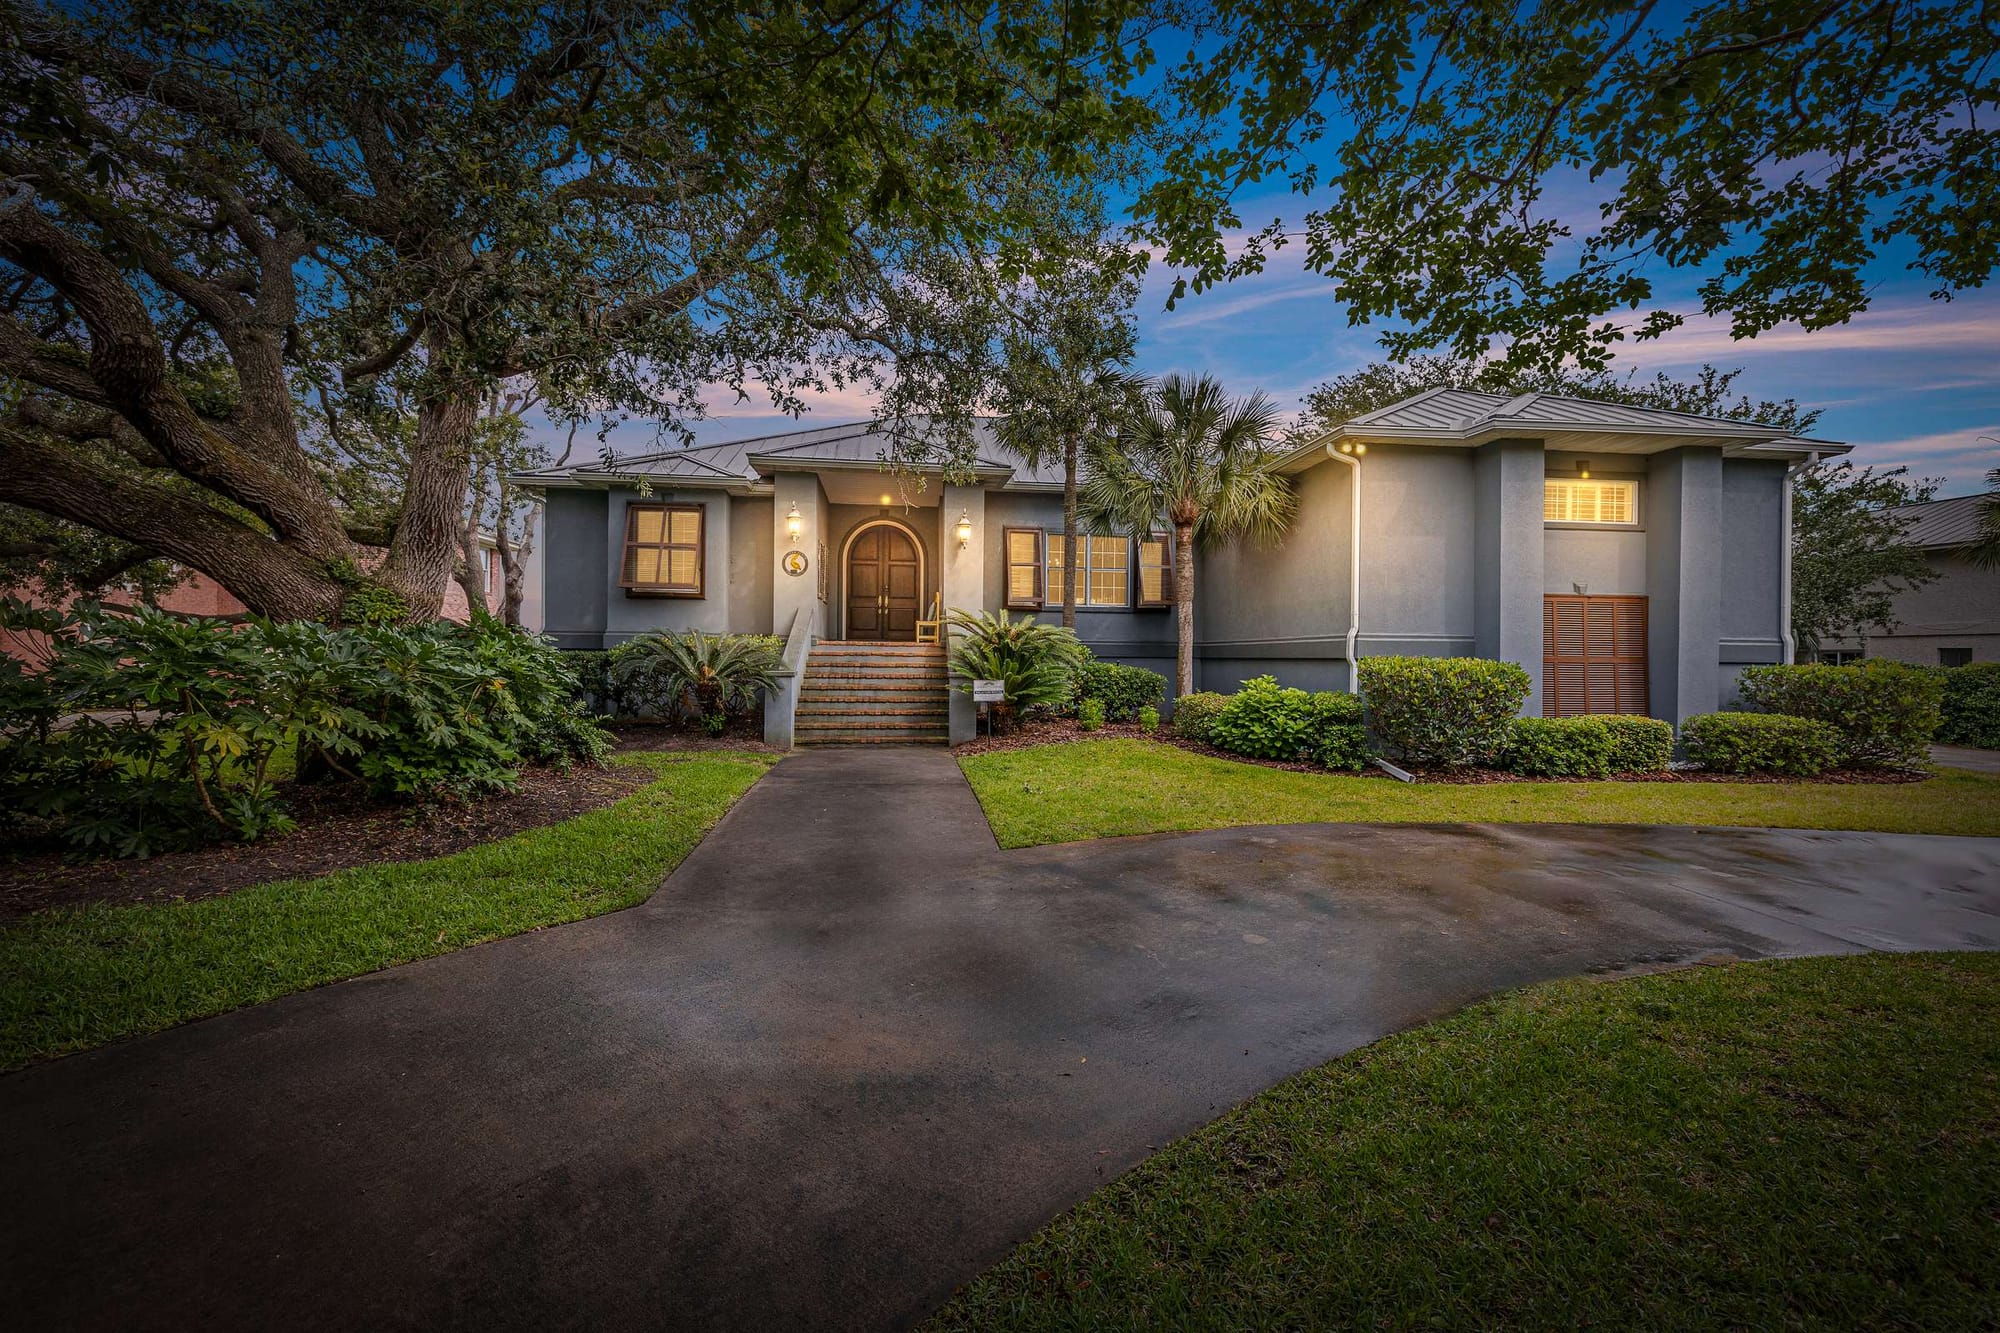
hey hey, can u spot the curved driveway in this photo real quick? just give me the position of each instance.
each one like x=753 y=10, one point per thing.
x=842 y=1060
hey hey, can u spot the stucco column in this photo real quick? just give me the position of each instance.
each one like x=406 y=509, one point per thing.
x=1683 y=505
x=792 y=593
x=962 y=581
x=1507 y=557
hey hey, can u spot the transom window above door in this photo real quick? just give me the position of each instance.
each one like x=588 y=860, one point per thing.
x=1596 y=502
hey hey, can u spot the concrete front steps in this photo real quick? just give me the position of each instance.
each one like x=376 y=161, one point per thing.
x=861 y=693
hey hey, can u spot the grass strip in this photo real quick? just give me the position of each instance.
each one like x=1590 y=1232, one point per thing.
x=77 y=977
x=1109 y=788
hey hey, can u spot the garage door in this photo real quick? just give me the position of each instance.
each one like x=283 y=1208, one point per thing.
x=1593 y=655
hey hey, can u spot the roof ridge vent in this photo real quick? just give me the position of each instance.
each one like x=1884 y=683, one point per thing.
x=1514 y=407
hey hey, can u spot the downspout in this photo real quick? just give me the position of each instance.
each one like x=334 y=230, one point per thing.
x=1349 y=453
x=1785 y=636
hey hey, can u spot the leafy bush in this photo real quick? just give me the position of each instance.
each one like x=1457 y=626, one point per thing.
x=1123 y=690
x=1090 y=714
x=1639 y=744
x=702 y=678
x=1443 y=712
x=592 y=669
x=1033 y=660
x=147 y=732
x=1194 y=714
x=1761 y=743
x=1264 y=720
x=1343 y=745
x=1558 y=747
x=1149 y=718
x=1971 y=706
x=1885 y=712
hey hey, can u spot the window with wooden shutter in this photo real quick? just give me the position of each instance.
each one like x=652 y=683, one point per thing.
x=663 y=551
x=1103 y=570
x=1597 y=503
x=1593 y=655
x=1156 y=570
x=1024 y=568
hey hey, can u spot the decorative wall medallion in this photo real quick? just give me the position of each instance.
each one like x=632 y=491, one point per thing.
x=796 y=563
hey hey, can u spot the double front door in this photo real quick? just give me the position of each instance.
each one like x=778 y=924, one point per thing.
x=882 y=586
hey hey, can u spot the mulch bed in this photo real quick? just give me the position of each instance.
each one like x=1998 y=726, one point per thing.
x=337 y=831
x=661 y=736
x=1062 y=730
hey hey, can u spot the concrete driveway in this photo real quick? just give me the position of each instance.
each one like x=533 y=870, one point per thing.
x=842 y=1061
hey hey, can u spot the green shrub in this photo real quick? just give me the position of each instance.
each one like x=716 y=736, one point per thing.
x=1761 y=743
x=1558 y=747
x=177 y=728
x=1090 y=714
x=1034 y=661
x=592 y=668
x=702 y=678
x=1343 y=745
x=1442 y=712
x=1149 y=718
x=1971 y=706
x=1885 y=712
x=1195 y=713
x=1639 y=744
x=1123 y=690
x=1265 y=720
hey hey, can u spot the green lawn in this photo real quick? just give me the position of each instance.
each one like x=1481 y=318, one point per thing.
x=72 y=978
x=1106 y=788
x=1811 y=1143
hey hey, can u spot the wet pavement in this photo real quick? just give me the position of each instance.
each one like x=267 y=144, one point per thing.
x=844 y=1059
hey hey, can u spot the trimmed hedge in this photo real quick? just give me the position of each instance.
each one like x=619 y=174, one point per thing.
x=1761 y=743
x=1123 y=690
x=1971 y=708
x=1885 y=712
x=1559 y=747
x=1443 y=712
x=1344 y=745
x=1639 y=744
x=1265 y=720
x=1195 y=713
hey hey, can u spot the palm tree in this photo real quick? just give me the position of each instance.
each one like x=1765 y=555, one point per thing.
x=1198 y=461
x=1986 y=546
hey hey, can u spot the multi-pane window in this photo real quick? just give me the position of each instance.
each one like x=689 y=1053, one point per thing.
x=663 y=550
x=1103 y=574
x=1156 y=570
x=1574 y=500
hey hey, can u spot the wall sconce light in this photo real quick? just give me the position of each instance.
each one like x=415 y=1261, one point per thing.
x=887 y=499
x=1583 y=468
x=795 y=524
x=964 y=529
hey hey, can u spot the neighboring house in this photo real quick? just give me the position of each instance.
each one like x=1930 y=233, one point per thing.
x=1633 y=560
x=1950 y=621
x=196 y=594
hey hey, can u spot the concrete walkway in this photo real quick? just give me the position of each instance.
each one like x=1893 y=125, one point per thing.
x=842 y=1061
x=1966 y=756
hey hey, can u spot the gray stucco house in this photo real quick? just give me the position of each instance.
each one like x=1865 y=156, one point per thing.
x=1952 y=620
x=1633 y=560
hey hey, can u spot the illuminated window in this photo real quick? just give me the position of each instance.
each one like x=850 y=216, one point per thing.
x=1156 y=570
x=1024 y=568
x=663 y=550
x=1103 y=577
x=1573 y=500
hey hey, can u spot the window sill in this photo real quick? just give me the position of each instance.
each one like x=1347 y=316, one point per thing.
x=680 y=594
x=1593 y=527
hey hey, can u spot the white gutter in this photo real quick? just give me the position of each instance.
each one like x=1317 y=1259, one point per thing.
x=1785 y=636
x=1349 y=454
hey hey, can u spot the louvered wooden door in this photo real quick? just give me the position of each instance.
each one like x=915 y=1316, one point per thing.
x=1593 y=655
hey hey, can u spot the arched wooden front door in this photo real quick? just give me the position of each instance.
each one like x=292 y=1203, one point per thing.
x=882 y=591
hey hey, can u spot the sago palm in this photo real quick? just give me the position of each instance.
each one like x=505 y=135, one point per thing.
x=1198 y=461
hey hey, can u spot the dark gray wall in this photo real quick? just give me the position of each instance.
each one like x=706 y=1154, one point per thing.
x=573 y=584
x=1683 y=507
x=752 y=565
x=1508 y=541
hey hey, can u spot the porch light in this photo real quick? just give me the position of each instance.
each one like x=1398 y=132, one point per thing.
x=964 y=529
x=1352 y=447
x=1583 y=468
x=887 y=499
x=795 y=524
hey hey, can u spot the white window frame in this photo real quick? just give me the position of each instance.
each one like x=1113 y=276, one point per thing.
x=1630 y=483
x=1052 y=572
